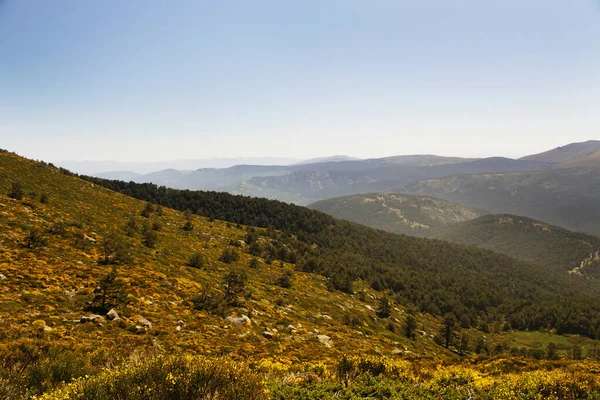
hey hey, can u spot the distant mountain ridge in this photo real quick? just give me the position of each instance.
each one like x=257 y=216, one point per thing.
x=567 y=153
x=322 y=178
x=97 y=168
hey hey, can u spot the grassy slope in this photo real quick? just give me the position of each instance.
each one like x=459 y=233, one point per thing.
x=525 y=239
x=397 y=213
x=53 y=283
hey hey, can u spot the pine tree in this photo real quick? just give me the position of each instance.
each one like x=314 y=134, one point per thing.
x=448 y=328
x=410 y=326
x=235 y=284
x=385 y=308
x=16 y=191
x=110 y=293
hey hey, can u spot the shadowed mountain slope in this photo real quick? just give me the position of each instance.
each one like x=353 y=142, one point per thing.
x=528 y=240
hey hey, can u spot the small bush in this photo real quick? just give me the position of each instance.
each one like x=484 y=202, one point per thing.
x=130 y=227
x=148 y=209
x=188 y=226
x=210 y=301
x=36 y=368
x=156 y=225
x=44 y=198
x=34 y=239
x=196 y=260
x=149 y=237
x=235 y=286
x=352 y=319
x=385 y=308
x=16 y=191
x=286 y=280
x=58 y=228
x=229 y=255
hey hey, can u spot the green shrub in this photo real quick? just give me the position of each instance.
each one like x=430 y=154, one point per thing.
x=188 y=226
x=34 y=239
x=254 y=263
x=210 y=301
x=148 y=209
x=131 y=227
x=229 y=255
x=16 y=191
x=286 y=280
x=169 y=379
x=149 y=237
x=196 y=260
x=58 y=228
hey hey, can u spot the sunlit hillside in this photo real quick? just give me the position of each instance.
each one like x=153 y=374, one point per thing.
x=128 y=299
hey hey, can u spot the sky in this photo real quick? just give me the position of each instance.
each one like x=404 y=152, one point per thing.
x=163 y=80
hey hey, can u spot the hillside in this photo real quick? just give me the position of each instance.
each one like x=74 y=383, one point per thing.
x=566 y=153
x=177 y=288
x=441 y=277
x=528 y=240
x=396 y=213
x=52 y=259
x=567 y=197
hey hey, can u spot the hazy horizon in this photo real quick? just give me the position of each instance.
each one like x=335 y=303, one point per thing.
x=151 y=81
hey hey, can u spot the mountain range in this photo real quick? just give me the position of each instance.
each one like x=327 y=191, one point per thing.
x=559 y=186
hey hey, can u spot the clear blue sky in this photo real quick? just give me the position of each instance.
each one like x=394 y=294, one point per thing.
x=156 y=80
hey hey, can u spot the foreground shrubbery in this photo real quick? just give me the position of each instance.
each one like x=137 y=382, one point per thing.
x=352 y=378
x=43 y=371
x=380 y=378
x=168 y=379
